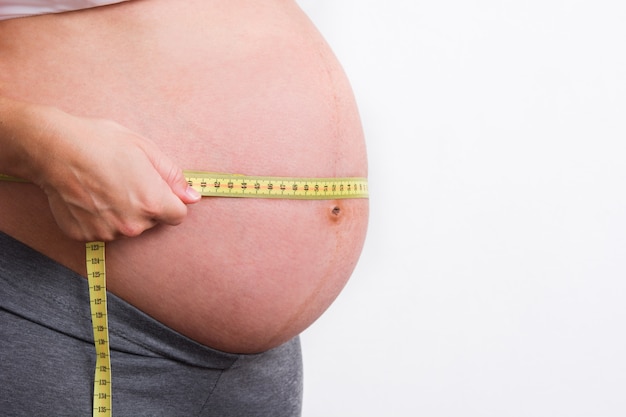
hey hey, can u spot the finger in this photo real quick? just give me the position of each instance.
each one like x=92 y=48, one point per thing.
x=133 y=228
x=182 y=189
x=175 y=178
x=173 y=210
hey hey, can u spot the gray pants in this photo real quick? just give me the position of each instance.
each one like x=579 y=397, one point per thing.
x=47 y=356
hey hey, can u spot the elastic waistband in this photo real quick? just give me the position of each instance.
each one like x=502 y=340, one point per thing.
x=43 y=291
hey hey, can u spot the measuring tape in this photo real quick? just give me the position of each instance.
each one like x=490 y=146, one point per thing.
x=212 y=184
x=96 y=277
x=208 y=184
x=233 y=185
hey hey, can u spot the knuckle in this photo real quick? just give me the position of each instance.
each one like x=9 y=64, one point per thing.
x=131 y=229
x=152 y=209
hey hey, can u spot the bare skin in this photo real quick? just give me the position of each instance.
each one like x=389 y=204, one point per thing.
x=98 y=103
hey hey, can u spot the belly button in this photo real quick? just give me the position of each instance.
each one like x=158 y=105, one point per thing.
x=335 y=211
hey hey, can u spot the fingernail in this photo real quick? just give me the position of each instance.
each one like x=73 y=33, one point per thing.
x=192 y=193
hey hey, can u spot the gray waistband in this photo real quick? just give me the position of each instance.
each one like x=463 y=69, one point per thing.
x=39 y=289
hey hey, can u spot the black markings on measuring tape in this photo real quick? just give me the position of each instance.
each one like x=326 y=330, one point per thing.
x=231 y=185
x=97 y=296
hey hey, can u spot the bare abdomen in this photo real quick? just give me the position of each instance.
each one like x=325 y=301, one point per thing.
x=228 y=86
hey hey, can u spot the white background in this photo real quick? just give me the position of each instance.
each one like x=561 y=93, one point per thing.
x=492 y=282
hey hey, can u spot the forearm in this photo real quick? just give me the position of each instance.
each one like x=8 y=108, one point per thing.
x=25 y=138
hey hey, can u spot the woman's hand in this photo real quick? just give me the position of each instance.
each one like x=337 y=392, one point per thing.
x=103 y=181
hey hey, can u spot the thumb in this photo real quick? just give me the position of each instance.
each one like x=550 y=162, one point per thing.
x=177 y=182
x=175 y=178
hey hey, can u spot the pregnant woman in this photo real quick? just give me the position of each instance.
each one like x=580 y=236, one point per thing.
x=102 y=104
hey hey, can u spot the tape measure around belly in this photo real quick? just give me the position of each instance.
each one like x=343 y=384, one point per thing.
x=208 y=184
x=212 y=184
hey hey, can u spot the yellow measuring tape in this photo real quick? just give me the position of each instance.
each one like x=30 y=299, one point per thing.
x=208 y=184
x=96 y=276
x=234 y=185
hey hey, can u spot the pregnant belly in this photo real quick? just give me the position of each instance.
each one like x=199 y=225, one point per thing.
x=233 y=87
